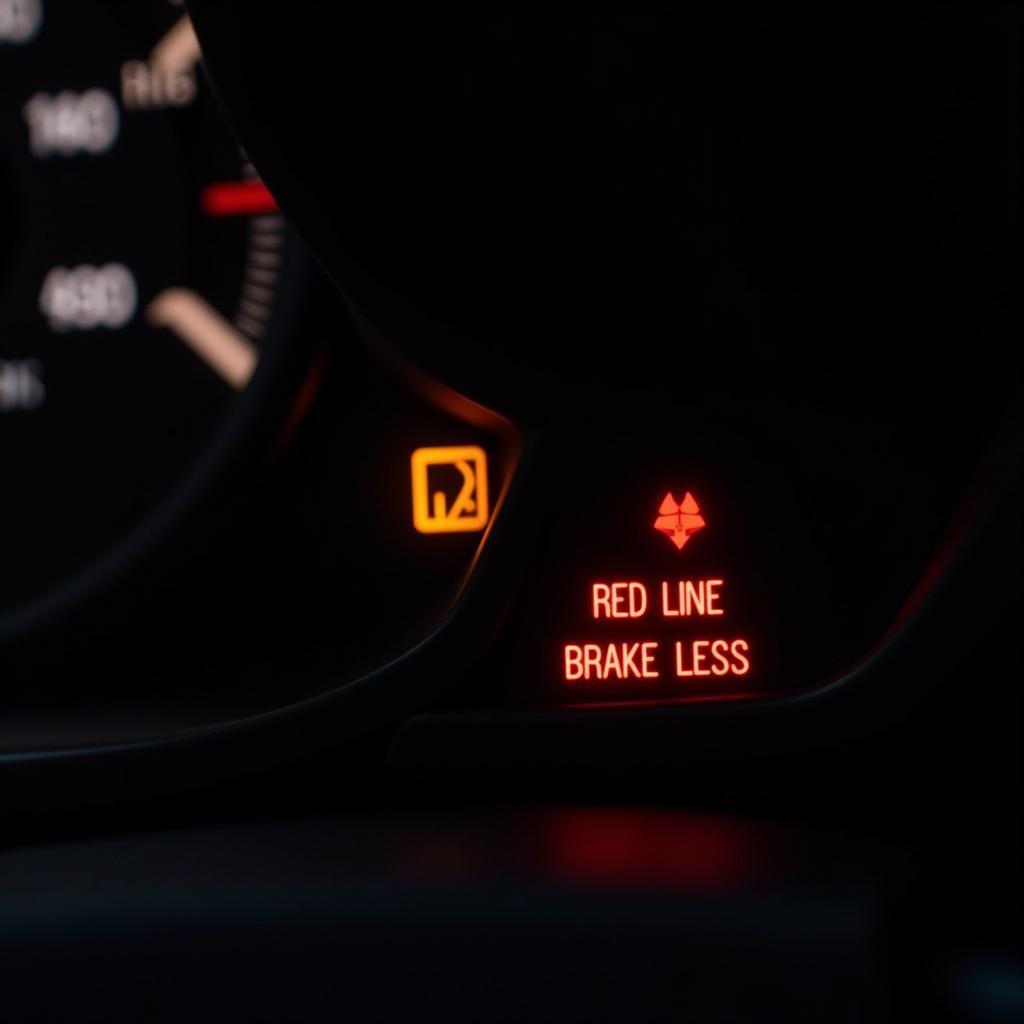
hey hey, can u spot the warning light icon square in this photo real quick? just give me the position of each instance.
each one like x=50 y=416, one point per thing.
x=449 y=489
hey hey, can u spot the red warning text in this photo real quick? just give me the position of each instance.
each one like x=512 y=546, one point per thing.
x=611 y=661
x=642 y=660
x=676 y=600
x=679 y=599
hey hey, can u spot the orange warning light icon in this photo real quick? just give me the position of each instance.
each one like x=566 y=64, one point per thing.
x=449 y=489
x=679 y=521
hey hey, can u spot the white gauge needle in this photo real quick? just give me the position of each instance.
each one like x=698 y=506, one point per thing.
x=178 y=49
x=222 y=347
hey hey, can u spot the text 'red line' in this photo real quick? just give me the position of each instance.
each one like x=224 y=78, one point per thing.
x=237 y=199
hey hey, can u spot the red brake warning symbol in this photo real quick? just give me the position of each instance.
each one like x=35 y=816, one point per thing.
x=679 y=521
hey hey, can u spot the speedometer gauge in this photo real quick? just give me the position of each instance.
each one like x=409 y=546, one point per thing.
x=143 y=267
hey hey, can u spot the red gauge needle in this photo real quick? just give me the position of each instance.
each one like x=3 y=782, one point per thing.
x=237 y=199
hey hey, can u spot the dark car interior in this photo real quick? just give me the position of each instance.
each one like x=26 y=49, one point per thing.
x=511 y=513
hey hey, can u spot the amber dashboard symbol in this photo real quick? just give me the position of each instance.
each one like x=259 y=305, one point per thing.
x=449 y=489
x=679 y=521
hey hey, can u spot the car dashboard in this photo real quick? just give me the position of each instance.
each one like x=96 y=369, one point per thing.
x=510 y=515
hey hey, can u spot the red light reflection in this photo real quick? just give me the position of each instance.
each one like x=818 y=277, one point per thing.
x=608 y=847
